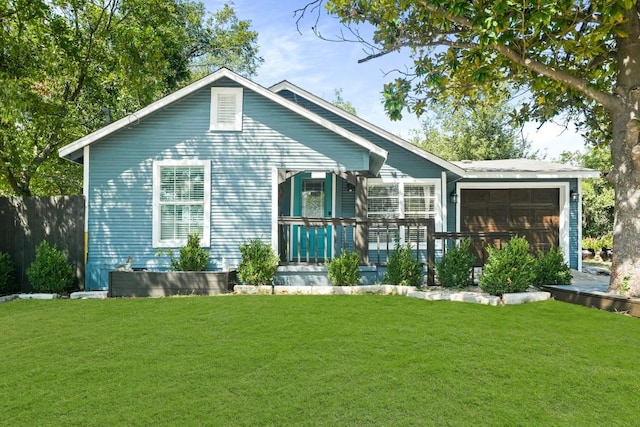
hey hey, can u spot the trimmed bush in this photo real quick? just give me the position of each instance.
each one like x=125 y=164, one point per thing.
x=509 y=269
x=50 y=271
x=8 y=284
x=259 y=263
x=454 y=269
x=343 y=271
x=402 y=268
x=551 y=269
x=192 y=256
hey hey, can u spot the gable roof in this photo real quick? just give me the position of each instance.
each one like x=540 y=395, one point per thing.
x=523 y=168
x=285 y=85
x=74 y=150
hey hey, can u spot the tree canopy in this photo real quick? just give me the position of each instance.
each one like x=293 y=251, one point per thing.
x=69 y=67
x=481 y=131
x=575 y=59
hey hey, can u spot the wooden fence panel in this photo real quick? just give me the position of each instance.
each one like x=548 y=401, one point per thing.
x=26 y=221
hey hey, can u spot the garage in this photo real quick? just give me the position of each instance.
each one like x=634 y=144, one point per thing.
x=533 y=213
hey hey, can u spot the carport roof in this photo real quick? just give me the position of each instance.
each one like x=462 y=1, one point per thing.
x=522 y=168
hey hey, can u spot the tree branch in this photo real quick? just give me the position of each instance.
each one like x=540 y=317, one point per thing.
x=610 y=102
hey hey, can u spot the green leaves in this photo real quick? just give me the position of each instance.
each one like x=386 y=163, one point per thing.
x=66 y=66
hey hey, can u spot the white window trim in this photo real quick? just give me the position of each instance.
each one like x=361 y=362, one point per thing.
x=437 y=183
x=237 y=124
x=205 y=239
x=431 y=181
x=563 y=187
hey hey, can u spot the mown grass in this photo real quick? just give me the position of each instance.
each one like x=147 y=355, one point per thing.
x=305 y=360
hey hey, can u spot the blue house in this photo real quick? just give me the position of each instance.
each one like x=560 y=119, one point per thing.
x=234 y=161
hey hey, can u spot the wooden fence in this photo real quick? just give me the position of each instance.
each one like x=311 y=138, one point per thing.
x=26 y=221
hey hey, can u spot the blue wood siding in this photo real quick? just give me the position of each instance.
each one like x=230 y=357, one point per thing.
x=400 y=163
x=121 y=176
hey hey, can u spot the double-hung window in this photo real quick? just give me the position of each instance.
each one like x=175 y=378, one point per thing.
x=400 y=200
x=181 y=201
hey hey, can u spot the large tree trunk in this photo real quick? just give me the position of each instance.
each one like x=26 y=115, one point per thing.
x=625 y=151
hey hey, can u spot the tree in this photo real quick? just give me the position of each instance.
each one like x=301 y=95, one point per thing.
x=576 y=59
x=339 y=102
x=482 y=131
x=598 y=196
x=69 y=67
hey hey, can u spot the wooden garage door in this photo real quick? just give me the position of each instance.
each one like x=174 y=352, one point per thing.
x=533 y=213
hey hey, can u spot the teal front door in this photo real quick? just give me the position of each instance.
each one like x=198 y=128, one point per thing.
x=312 y=198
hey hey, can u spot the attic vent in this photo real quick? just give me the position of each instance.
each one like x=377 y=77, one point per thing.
x=226 y=108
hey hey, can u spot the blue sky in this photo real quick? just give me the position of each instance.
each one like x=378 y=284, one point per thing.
x=320 y=67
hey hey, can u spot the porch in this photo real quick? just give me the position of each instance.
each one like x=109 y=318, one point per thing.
x=306 y=245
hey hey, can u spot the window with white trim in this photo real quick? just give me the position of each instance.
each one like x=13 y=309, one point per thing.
x=181 y=200
x=226 y=108
x=399 y=200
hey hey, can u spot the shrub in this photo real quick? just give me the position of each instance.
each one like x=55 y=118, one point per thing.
x=8 y=284
x=50 y=271
x=402 y=268
x=551 y=269
x=591 y=243
x=259 y=263
x=192 y=256
x=606 y=241
x=509 y=269
x=343 y=271
x=454 y=268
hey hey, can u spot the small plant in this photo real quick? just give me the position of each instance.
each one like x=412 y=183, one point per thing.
x=592 y=244
x=606 y=241
x=343 y=271
x=50 y=271
x=8 y=284
x=258 y=264
x=454 y=268
x=624 y=286
x=509 y=269
x=402 y=268
x=551 y=269
x=192 y=256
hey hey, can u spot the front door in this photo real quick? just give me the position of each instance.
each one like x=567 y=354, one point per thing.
x=312 y=198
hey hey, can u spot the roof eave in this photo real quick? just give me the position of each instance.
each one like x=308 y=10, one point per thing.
x=530 y=175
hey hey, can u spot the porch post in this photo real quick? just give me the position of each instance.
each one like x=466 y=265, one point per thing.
x=361 y=237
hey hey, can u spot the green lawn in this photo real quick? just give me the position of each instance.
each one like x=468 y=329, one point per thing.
x=315 y=360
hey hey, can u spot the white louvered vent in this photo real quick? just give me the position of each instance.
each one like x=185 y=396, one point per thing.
x=226 y=109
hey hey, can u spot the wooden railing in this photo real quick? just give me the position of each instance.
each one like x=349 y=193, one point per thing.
x=318 y=240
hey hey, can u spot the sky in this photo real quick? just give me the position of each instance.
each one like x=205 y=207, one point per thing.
x=321 y=67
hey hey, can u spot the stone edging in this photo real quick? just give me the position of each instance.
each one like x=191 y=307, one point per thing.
x=410 y=291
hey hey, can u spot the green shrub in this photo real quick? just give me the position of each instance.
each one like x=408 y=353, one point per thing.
x=192 y=256
x=259 y=263
x=591 y=243
x=606 y=241
x=509 y=269
x=551 y=269
x=8 y=284
x=343 y=271
x=402 y=268
x=50 y=271
x=454 y=268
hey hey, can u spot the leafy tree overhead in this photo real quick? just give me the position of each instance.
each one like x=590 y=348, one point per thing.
x=598 y=196
x=69 y=67
x=340 y=102
x=482 y=131
x=576 y=59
